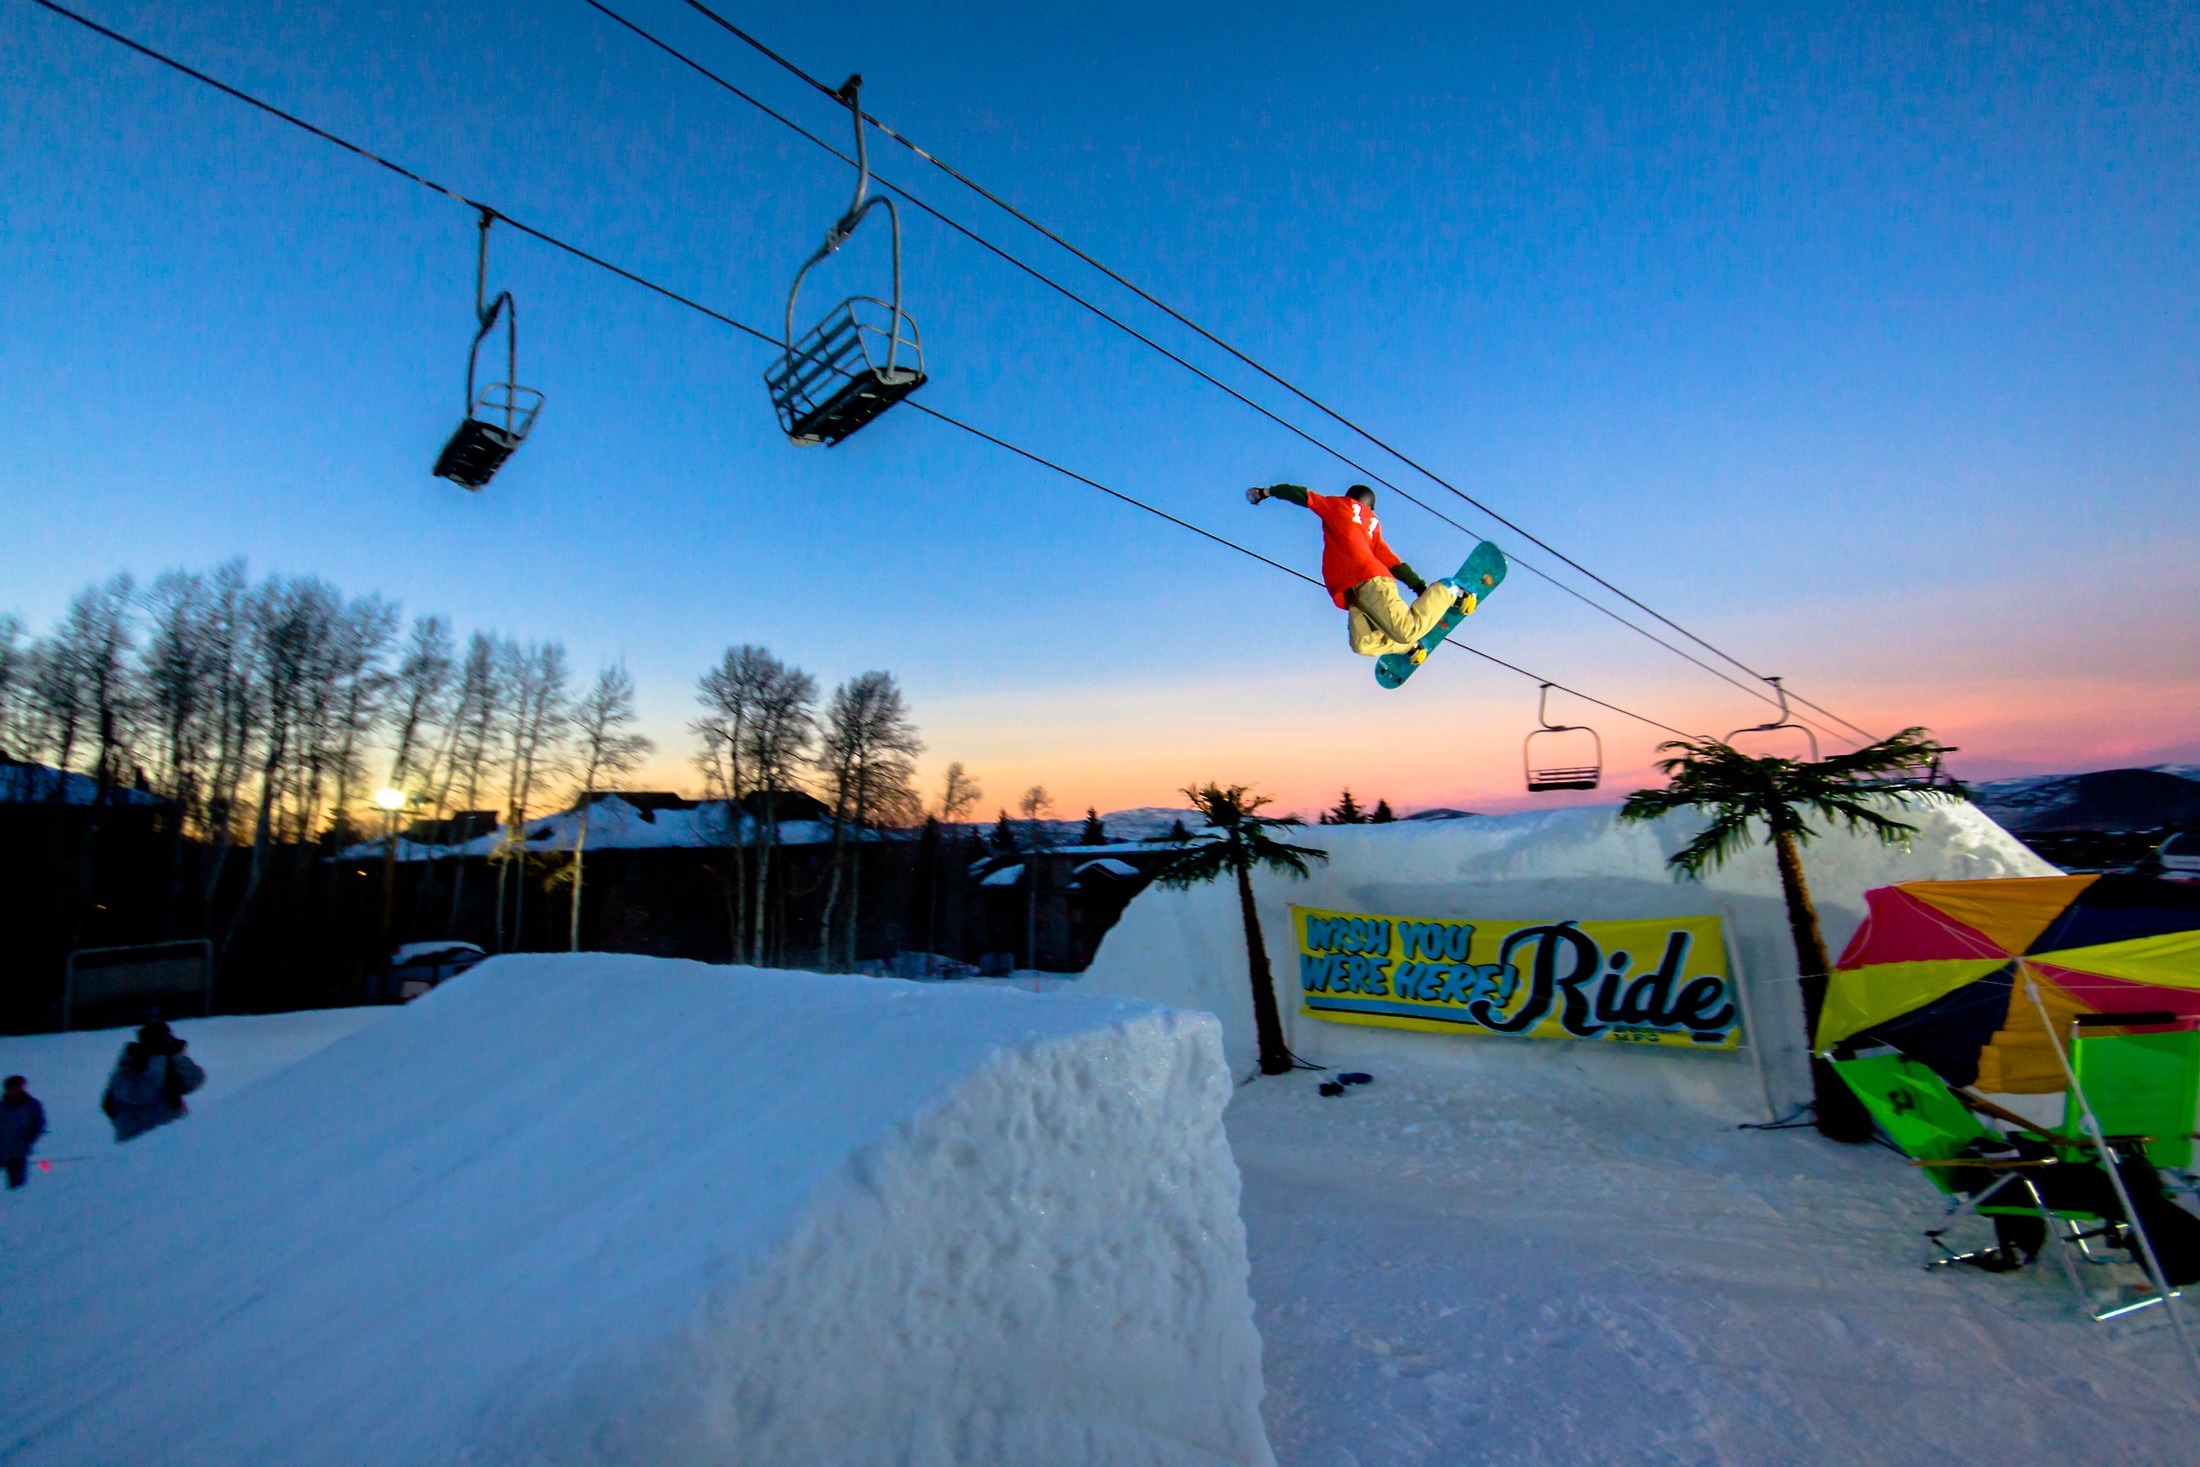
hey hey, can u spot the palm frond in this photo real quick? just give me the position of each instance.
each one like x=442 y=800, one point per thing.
x=1726 y=836
x=1194 y=864
x=1236 y=839
x=1739 y=791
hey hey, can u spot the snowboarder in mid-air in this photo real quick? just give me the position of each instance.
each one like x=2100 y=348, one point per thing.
x=1362 y=573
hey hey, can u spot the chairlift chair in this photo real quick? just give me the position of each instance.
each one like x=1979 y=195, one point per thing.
x=866 y=355
x=1559 y=777
x=1786 y=720
x=500 y=418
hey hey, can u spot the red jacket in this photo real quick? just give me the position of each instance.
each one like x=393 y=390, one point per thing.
x=1353 y=548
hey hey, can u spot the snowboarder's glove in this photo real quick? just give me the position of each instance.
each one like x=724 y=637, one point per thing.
x=1255 y=496
x=1406 y=575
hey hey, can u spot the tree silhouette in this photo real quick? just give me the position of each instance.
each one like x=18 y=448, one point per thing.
x=1094 y=833
x=1235 y=842
x=1741 y=793
x=1346 y=811
x=1383 y=815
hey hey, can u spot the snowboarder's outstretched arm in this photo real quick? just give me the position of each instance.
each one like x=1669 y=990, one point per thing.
x=1296 y=494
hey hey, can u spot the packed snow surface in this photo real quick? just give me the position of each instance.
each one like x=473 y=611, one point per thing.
x=605 y=1209
x=1520 y=1270
x=1188 y=947
x=68 y=1072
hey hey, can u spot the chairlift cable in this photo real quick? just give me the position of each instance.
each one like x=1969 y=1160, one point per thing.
x=1133 y=332
x=766 y=337
x=983 y=192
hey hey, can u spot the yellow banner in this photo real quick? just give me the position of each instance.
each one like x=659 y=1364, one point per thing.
x=1660 y=980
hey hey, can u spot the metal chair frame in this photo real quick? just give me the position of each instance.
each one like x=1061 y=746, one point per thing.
x=1784 y=721
x=480 y=445
x=1575 y=777
x=832 y=380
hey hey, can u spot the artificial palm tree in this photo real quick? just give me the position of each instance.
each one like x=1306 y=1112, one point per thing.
x=1236 y=841
x=1741 y=792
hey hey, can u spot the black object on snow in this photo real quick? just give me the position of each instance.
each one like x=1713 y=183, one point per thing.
x=1354 y=1077
x=1331 y=1087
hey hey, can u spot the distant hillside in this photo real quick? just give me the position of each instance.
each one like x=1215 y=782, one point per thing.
x=2107 y=800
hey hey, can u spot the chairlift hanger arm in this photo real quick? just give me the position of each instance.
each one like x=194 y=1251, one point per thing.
x=860 y=205
x=486 y=316
x=1785 y=720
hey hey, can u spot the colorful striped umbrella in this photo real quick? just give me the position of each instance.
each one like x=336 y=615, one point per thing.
x=1936 y=969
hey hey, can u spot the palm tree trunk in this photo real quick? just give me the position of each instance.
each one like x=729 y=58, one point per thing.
x=1841 y=1116
x=1275 y=1057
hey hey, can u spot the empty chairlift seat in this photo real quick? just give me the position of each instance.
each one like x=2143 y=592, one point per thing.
x=500 y=417
x=845 y=371
x=1552 y=761
x=866 y=355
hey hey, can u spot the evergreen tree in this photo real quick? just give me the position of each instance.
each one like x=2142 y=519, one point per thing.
x=1383 y=815
x=1003 y=839
x=1177 y=832
x=1347 y=811
x=1094 y=833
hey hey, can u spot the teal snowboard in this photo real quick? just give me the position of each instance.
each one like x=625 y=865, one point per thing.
x=1481 y=573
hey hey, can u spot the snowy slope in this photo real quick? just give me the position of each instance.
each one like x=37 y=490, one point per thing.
x=68 y=1072
x=1188 y=948
x=617 y=1209
x=1512 y=1270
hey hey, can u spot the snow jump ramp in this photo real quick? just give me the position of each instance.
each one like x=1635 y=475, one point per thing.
x=605 y=1209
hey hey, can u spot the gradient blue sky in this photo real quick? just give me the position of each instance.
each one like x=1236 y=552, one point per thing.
x=1859 y=337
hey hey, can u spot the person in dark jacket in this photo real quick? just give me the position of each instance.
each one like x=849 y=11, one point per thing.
x=149 y=1083
x=22 y=1122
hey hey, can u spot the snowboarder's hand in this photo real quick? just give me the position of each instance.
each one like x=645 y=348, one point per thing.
x=1255 y=496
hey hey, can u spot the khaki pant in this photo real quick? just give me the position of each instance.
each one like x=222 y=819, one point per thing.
x=1381 y=621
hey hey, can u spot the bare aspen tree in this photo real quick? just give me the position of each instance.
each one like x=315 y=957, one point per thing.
x=537 y=733
x=417 y=699
x=959 y=795
x=229 y=634
x=95 y=643
x=755 y=730
x=601 y=749
x=293 y=621
x=1035 y=805
x=729 y=694
x=57 y=697
x=482 y=699
x=417 y=709
x=362 y=681
x=778 y=747
x=179 y=681
x=866 y=757
x=15 y=665
x=92 y=649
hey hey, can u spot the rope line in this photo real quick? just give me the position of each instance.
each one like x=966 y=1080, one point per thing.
x=1430 y=474
x=700 y=69
x=598 y=261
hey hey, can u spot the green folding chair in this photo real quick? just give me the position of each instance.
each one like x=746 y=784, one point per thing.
x=2139 y=1085
x=1941 y=1136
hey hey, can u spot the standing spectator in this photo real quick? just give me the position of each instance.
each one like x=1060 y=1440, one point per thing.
x=22 y=1122
x=149 y=1083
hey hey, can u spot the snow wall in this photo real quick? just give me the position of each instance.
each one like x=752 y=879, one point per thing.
x=1188 y=948
x=603 y=1209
